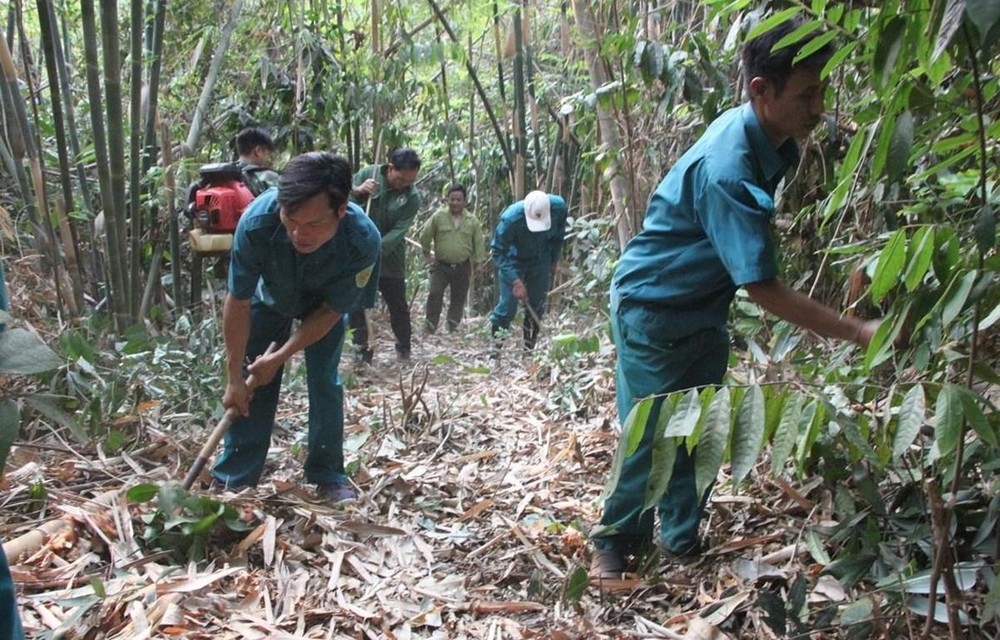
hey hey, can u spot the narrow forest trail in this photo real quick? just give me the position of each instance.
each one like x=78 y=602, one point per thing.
x=477 y=482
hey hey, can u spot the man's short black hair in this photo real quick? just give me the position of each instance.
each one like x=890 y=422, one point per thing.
x=404 y=159
x=251 y=138
x=313 y=173
x=776 y=66
x=458 y=187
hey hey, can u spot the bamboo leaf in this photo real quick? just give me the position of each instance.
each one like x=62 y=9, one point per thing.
x=10 y=426
x=685 y=417
x=990 y=319
x=576 y=585
x=986 y=228
x=912 y=414
x=890 y=45
x=919 y=255
x=748 y=434
x=889 y=266
x=899 y=147
x=712 y=446
x=772 y=22
x=812 y=417
x=956 y=296
x=814 y=45
x=954 y=14
x=841 y=54
x=787 y=433
x=947 y=419
x=797 y=35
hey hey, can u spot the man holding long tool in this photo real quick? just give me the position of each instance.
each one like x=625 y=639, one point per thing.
x=300 y=252
x=526 y=248
x=390 y=199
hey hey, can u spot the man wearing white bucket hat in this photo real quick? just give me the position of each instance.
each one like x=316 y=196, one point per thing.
x=526 y=248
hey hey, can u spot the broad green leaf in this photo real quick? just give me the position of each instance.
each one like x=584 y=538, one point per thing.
x=990 y=319
x=986 y=226
x=10 y=426
x=661 y=468
x=899 y=147
x=45 y=406
x=971 y=405
x=787 y=433
x=954 y=299
x=23 y=353
x=685 y=417
x=912 y=414
x=772 y=22
x=883 y=342
x=712 y=446
x=748 y=434
x=984 y=15
x=890 y=45
x=812 y=417
x=628 y=442
x=954 y=15
x=889 y=267
x=141 y=492
x=576 y=585
x=919 y=254
x=947 y=419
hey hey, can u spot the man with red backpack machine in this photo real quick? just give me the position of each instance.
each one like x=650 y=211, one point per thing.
x=256 y=150
x=706 y=233
x=300 y=252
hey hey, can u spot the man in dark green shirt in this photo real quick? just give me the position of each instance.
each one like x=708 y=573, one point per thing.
x=256 y=150
x=387 y=193
x=456 y=239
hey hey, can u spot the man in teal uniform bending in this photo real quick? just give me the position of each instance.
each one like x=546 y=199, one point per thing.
x=526 y=249
x=456 y=239
x=300 y=252
x=707 y=232
x=392 y=202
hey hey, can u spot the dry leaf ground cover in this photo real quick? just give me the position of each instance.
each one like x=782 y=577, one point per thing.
x=478 y=481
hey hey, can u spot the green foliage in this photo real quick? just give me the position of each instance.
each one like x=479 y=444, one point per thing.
x=181 y=522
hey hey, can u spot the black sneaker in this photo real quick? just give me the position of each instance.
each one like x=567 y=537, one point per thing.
x=365 y=356
x=336 y=493
x=607 y=564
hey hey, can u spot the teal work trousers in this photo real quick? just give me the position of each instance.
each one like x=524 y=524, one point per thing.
x=650 y=365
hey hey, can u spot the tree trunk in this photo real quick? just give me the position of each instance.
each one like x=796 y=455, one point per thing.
x=517 y=124
x=213 y=73
x=605 y=122
x=135 y=152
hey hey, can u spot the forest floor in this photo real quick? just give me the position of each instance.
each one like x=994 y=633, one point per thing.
x=478 y=482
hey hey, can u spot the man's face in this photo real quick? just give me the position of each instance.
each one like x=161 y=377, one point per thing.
x=261 y=156
x=312 y=224
x=456 y=203
x=794 y=112
x=399 y=179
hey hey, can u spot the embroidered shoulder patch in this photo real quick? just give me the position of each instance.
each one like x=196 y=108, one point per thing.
x=362 y=278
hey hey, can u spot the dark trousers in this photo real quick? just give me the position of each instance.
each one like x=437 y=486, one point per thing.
x=247 y=441
x=10 y=617
x=442 y=276
x=393 y=291
x=648 y=365
x=536 y=279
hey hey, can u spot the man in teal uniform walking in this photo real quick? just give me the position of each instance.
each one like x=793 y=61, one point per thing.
x=456 y=239
x=706 y=233
x=300 y=252
x=392 y=202
x=526 y=249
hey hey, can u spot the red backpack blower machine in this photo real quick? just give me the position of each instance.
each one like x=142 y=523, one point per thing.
x=215 y=204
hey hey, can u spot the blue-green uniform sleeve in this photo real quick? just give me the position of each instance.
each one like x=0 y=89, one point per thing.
x=359 y=285
x=504 y=243
x=246 y=259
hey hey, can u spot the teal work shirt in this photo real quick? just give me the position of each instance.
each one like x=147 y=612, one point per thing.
x=342 y=272
x=707 y=230
x=450 y=244
x=516 y=249
x=392 y=211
